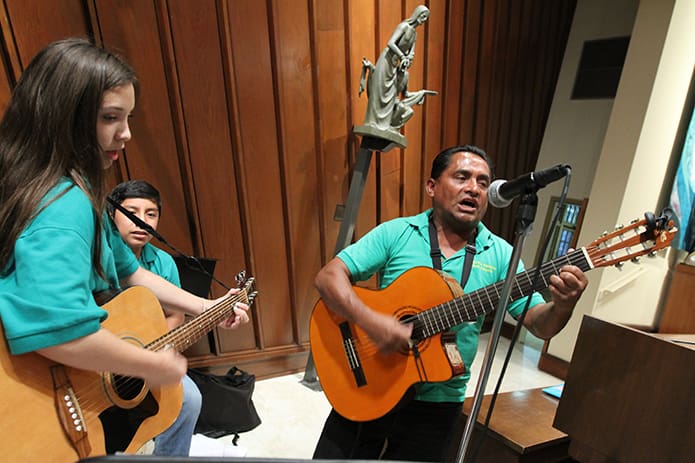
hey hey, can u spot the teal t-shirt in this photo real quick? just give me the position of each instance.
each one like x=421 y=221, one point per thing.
x=159 y=262
x=46 y=289
x=398 y=245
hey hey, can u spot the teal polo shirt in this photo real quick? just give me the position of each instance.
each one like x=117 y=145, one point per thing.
x=393 y=247
x=46 y=287
x=159 y=262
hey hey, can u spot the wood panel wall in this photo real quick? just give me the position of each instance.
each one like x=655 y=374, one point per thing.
x=245 y=120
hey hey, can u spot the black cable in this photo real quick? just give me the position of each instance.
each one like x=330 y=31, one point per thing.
x=192 y=262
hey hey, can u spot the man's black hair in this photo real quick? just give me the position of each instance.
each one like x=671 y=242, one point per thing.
x=441 y=161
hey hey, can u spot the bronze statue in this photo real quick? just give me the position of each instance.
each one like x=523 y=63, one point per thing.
x=390 y=103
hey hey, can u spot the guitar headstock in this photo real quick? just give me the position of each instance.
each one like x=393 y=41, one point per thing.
x=641 y=237
x=247 y=285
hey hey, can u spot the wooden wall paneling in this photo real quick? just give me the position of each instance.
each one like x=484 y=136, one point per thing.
x=132 y=30
x=259 y=161
x=297 y=122
x=362 y=43
x=10 y=55
x=9 y=63
x=5 y=88
x=514 y=164
x=6 y=81
x=334 y=125
x=519 y=40
x=485 y=73
x=169 y=60
x=389 y=15
x=36 y=23
x=496 y=63
x=501 y=221
x=526 y=141
x=456 y=13
x=412 y=174
x=469 y=67
x=435 y=44
x=507 y=52
x=212 y=186
x=545 y=39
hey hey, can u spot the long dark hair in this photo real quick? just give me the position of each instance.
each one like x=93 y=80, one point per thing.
x=49 y=131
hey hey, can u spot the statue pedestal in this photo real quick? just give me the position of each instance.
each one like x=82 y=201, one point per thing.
x=376 y=139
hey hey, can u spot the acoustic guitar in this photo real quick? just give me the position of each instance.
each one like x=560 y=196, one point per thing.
x=363 y=384
x=53 y=413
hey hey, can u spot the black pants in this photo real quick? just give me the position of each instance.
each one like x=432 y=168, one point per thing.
x=419 y=431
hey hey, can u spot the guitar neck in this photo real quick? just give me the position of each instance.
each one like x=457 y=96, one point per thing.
x=182 y=337
x=469 y=307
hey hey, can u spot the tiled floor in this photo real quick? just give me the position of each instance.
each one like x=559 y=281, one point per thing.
x=293 y=414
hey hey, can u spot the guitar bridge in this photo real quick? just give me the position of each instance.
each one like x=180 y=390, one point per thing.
x=351 y=354
x=69 y=411
x=452 y=353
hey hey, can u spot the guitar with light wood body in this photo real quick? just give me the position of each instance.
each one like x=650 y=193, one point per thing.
x=51 y=412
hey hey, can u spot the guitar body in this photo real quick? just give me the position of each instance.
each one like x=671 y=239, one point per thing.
x=32 y=429
x=387 y=377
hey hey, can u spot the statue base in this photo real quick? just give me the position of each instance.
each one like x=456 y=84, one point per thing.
x=378 y=139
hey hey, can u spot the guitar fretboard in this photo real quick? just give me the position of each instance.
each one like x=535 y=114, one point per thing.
x=469 y=307
x=182 y=337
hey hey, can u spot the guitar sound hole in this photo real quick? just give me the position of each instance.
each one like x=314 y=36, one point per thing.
x=127 y=387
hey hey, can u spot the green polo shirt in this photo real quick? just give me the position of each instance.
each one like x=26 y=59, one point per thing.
x=159 y=262
x=46 y=288
x=398 y=245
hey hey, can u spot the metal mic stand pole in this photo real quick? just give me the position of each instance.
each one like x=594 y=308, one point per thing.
x=525 y=216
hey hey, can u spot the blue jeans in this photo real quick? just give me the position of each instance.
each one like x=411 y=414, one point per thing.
x=176 y=441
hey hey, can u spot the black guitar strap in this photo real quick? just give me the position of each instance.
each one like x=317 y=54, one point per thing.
x=436 y=253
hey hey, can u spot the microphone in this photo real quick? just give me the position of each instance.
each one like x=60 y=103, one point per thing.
x=502 y=192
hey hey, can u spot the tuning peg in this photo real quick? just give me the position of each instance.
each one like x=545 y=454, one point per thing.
x=240 y=278
x=651 y=254
x=634 y=221
x=635 y=259
x=605 y=233
x=618 y=227
x=619 y=265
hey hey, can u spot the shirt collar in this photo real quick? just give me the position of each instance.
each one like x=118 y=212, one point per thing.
x=147 y=255
x=421 y=222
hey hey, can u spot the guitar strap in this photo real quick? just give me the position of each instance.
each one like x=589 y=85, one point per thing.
x=436 y=253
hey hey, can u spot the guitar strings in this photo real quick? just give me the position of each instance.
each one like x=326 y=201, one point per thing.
x=469 y=307
x=176 y=338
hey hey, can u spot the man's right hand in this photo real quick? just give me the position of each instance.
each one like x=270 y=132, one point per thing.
x=389 y=334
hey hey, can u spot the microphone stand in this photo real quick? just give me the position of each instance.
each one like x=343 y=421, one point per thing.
x=192 y=262
x=525 y=216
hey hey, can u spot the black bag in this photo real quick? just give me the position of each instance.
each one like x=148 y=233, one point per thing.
x=227 y=404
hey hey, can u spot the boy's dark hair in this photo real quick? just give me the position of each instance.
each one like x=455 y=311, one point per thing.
x=441 y=161
x=134 y=189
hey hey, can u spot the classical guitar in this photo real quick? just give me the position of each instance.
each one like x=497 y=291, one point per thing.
x=362 y=384
x=53 y=413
